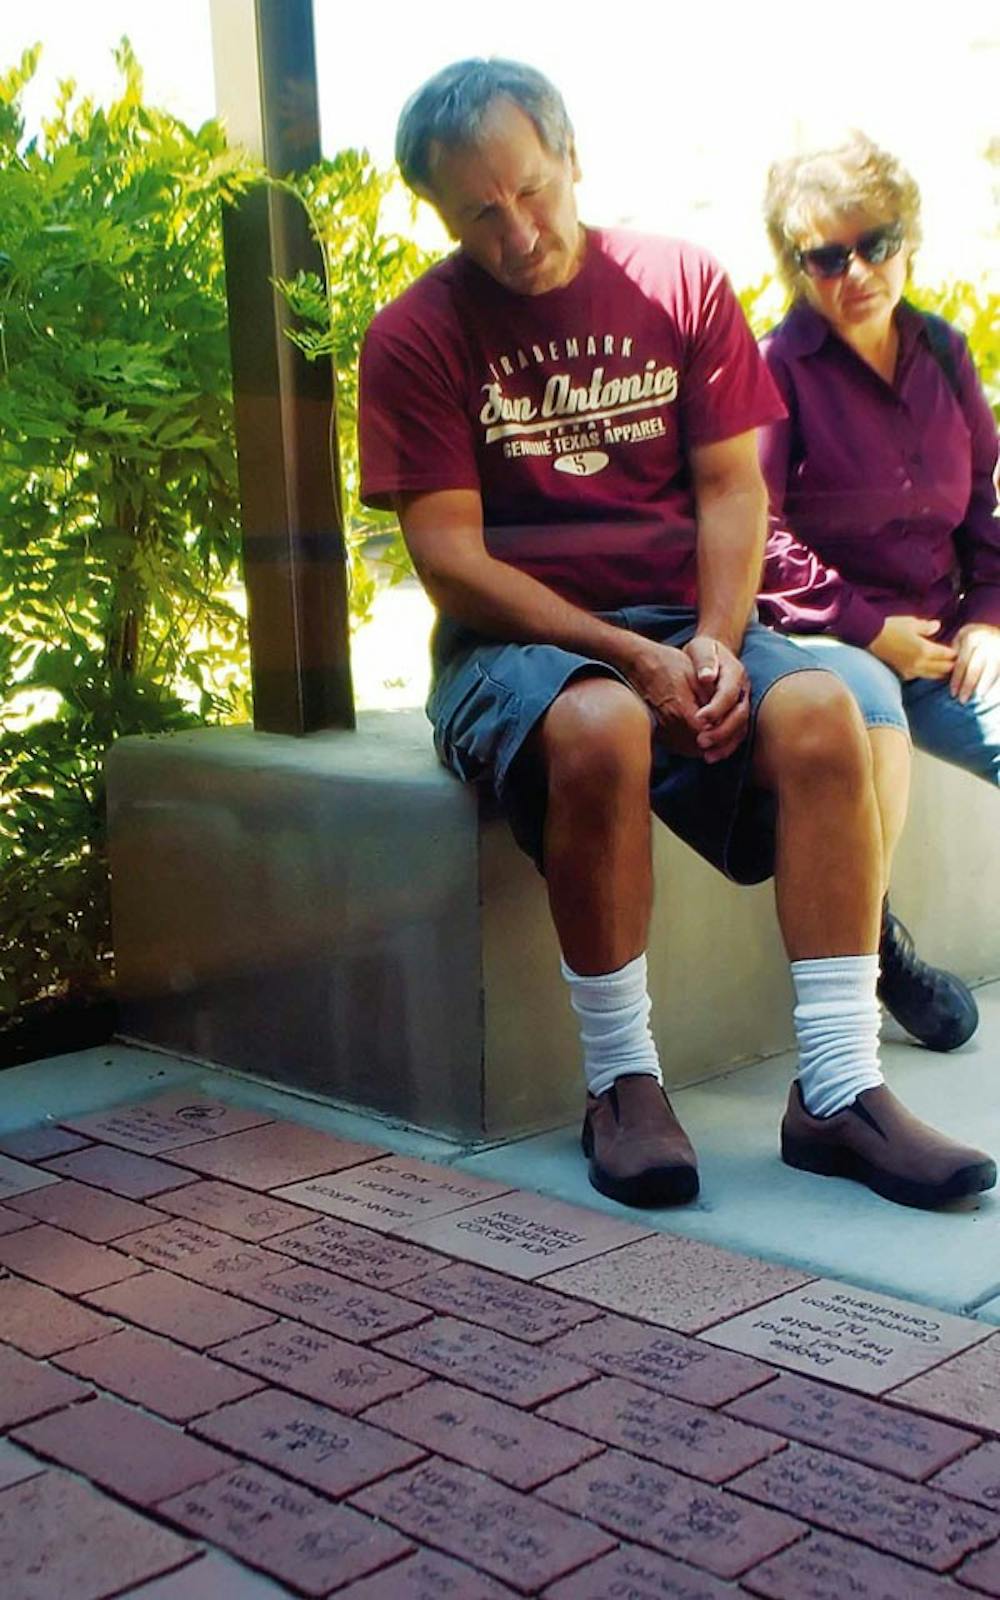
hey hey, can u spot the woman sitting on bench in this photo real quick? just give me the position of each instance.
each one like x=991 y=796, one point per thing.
x=883 y=536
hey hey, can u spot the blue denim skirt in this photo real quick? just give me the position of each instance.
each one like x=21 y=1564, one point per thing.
x=924 y=709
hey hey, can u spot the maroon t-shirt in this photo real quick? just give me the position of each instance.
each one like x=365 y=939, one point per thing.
x=570 y=412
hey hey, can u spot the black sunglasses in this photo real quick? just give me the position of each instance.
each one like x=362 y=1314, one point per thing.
x=832 y=260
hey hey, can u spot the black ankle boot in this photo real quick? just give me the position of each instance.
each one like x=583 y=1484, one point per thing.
x=934 y=1006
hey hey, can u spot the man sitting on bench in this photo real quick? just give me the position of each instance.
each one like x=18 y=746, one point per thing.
x=563 y=419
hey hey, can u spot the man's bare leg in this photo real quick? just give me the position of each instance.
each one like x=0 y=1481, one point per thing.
x=595 y=744
x=812 y=753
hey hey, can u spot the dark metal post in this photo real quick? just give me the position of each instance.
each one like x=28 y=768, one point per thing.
x=286 y=439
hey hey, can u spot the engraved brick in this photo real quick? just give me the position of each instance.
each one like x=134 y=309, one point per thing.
x=314 y=1364
x=60 y=1537
x=134 y=1455
x=29 y=1389
x=280 y=1153
x=40 y=1322
x=964 y=1389
x=89 y=1213
x=17 y=1177
x=976 y=1477
x=636 y=1574
x=394 y=1191
x=40 y=1143
x=357 y=1253
x=686 y=1520
x=521 y=1374
x=691 y=1438
x=525 y=1235
x=824 y=1567
x=179 y=1309
x=663 y=1360
x=678 y=1283
x=518 y=1449
x=850 y=1425
x=319 y=1447
x=427 y=1576
x=911 y=1520
x=203 y=1254
x=57 y=1259
x=153 y=1372
x=166 y=1122
x=337 y=1305
x=509 y=1305
x=511 y=1536
x=244 y=1213
x=853 y=1337
x=136 y=1177
x=286 y=1529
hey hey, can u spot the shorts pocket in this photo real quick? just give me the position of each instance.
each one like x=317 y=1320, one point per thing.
x=471 y=718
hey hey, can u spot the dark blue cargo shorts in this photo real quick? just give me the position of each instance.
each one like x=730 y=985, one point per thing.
x=487 y=697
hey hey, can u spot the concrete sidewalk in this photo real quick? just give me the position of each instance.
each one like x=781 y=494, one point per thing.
x=252 y=1345
x=750 y=1201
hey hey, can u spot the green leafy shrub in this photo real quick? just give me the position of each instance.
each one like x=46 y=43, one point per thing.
x=120 y=603
x=117 y=491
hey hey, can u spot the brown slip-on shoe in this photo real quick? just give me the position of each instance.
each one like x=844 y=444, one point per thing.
x=878 y=1142
x=638 y=1152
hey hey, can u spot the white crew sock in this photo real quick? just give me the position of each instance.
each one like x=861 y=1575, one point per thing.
x=836 y=1024
x=613 y=1011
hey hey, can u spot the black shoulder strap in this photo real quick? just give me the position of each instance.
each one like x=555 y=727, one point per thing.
x=941 y=350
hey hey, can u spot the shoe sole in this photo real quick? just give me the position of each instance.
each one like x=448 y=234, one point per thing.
x=827 y=1162
x=656 y=1186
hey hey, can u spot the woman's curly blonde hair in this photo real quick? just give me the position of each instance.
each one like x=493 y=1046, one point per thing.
x=854 y=176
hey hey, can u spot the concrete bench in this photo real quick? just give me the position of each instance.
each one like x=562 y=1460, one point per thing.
x=338 y=914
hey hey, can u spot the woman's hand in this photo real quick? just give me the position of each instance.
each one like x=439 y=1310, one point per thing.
x=977 y=667
x=906 y=644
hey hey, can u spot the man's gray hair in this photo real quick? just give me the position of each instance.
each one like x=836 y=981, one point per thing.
x=449 y=109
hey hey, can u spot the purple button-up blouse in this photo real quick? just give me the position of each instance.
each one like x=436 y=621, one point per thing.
x=883 y=499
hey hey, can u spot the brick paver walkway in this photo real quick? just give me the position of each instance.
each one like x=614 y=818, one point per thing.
x=241 y=1358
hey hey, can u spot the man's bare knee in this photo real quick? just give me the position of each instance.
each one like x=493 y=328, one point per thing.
x=596 y=731
x=810 y=729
